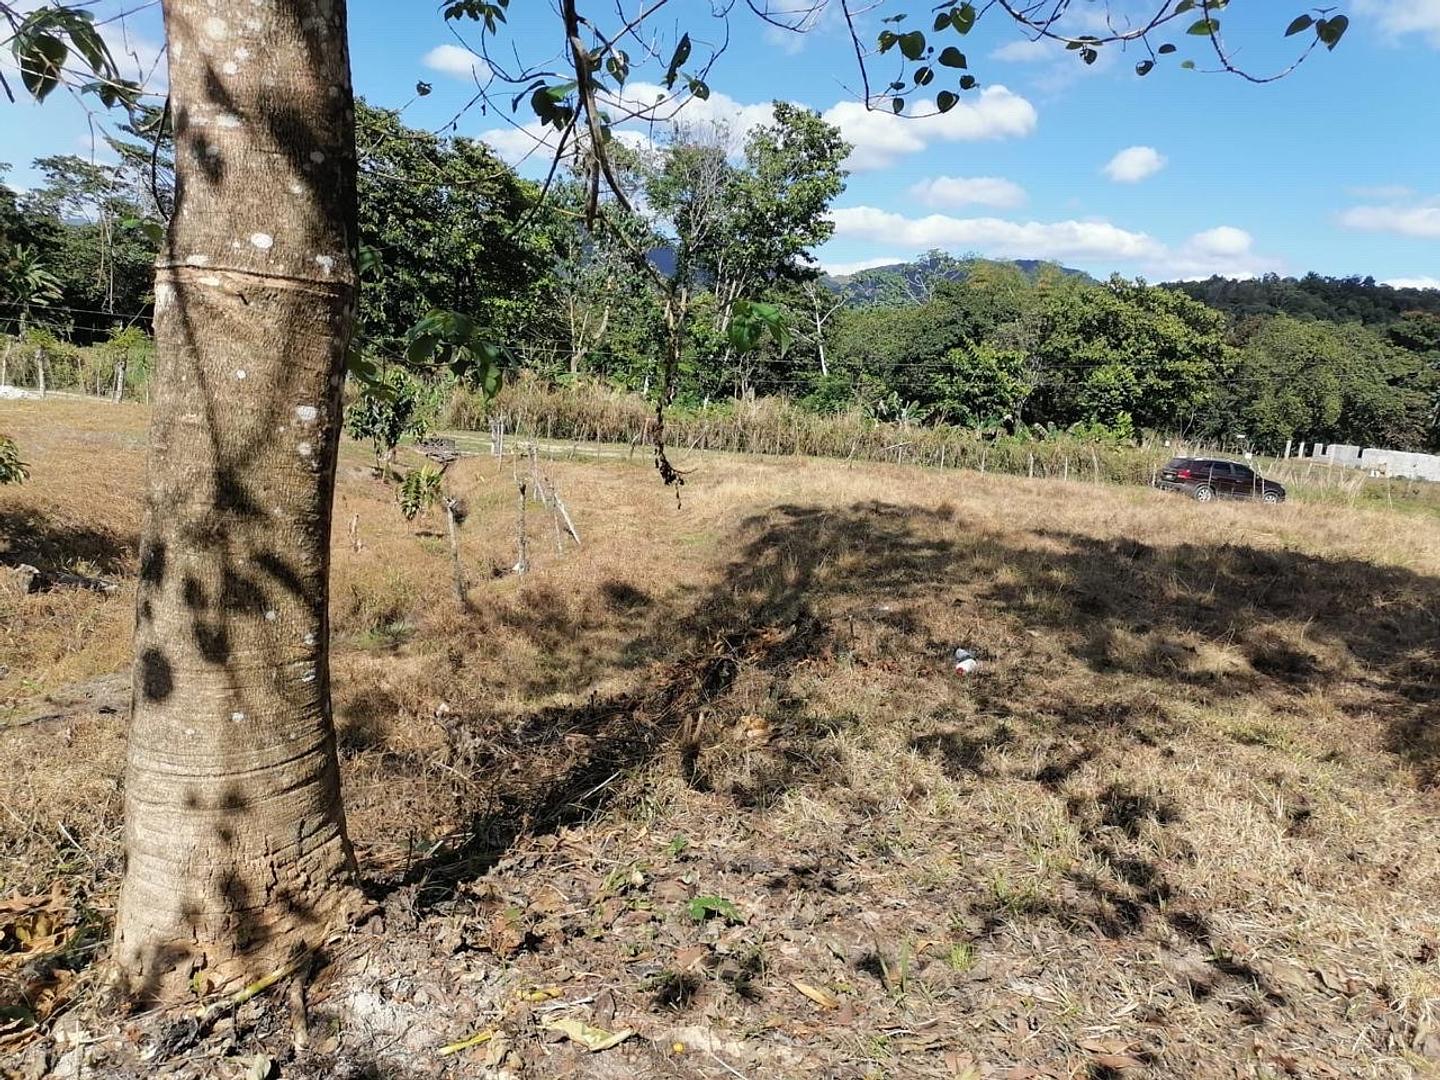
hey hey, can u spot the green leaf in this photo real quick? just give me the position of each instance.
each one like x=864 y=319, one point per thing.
x=681 y=54
x=422 y=348
x=963 y=18
x=946 y=100
x=1184 y=6
x=369 y=260
x=1204 y=27
x=618 y=65
x=423 y=88
x=1144 y=67
x=1188 y=65
x=897 y=105
x=41 y=57
x=924 y=76
x=887 y=40
x=1089 y=55
x=1303 y=22
x=1166 y=49
x=699 y=89
x=942 y=20
x=912 y=45
x=703 y=907
x=968 y=82
x=952 y=57
x=1331 y=30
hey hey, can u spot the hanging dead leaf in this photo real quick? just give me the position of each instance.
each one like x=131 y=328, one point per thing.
x=592 y=1038
x=819 y=995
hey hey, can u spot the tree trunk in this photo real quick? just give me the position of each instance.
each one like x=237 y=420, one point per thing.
x=236 y=855
x=456 y=566
x=119 y=382
x=40 y=371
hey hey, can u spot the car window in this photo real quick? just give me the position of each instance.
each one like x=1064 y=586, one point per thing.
x=1220 y=469
x=1244 y=472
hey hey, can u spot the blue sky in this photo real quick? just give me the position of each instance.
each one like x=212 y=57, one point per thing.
x=1335 y=168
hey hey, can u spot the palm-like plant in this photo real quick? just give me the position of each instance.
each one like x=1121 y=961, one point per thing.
x=25 y=282
x=12 y=469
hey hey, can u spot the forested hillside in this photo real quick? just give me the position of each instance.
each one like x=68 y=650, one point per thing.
x=737 y=305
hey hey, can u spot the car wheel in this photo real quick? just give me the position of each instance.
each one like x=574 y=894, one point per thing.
x=1204 y=493
x=1271 y=497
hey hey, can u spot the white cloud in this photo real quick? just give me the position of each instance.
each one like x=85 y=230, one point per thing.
x=996 y=237
x=1024 y=51
x=841 y=269
x=1223 y=250
x=879 y=137
x=1384 y=192
x=1413 y=283
x=1223 y=240
x=453 y=60
x=517 y=144
x=1420 y=220
x=1134 y=163
x=1396 y=18
x=964 y=190
x=718 y=110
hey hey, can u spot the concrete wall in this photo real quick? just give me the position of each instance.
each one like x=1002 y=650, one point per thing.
x=1385 y=462
x=1400 y=463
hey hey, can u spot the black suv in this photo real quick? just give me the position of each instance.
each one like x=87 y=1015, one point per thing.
x=1204 y=479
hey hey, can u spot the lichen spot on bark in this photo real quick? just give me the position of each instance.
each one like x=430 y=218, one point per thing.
x=303 y=449
x=263 y=241
x=316 y=156
x=230 y=67
x=216 y=27
x=271 y=615
x=306 y=414
x=237 y=716
x=197 y=260
x=240 y=374
x=326 y=263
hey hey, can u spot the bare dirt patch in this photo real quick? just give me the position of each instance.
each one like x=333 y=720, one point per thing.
x=711 y=779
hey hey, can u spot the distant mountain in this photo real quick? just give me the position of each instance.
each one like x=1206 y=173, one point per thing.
x=1314 y=296
x=911 y=282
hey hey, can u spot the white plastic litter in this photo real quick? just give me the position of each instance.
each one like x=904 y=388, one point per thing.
x=965 y=662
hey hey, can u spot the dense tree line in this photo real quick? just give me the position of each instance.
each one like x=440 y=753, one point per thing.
x=700 y=286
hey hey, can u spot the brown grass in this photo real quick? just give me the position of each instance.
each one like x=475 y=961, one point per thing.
x=1185 y=814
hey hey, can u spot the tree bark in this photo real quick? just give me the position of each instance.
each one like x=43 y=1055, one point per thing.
x=235 y=843
x=119 y=391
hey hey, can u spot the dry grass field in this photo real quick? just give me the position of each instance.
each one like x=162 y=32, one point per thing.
x=710 y=778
